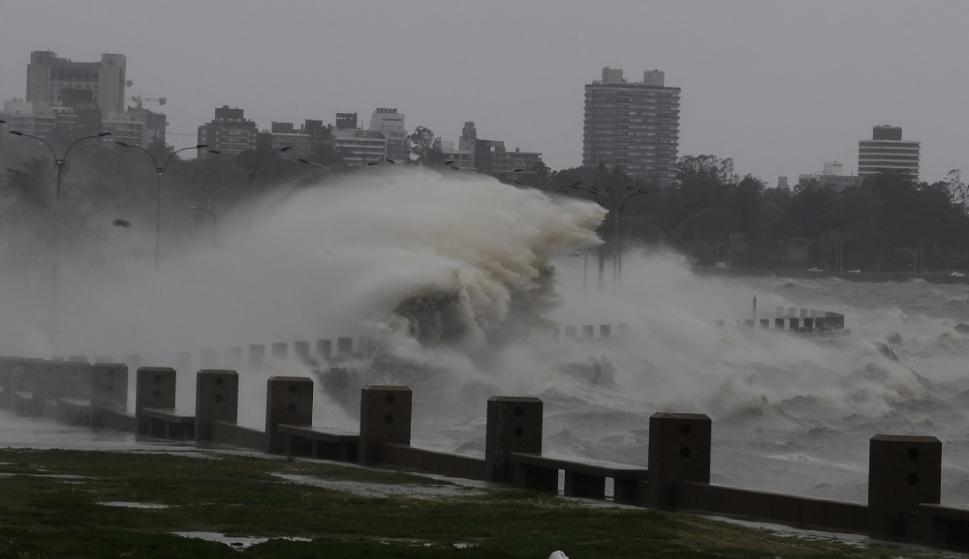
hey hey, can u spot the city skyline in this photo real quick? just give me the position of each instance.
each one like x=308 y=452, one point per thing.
x=774 y=85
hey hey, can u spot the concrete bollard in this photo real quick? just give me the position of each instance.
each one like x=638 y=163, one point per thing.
x=109 y=386
x=514 y=425
x=301 y=350
x=344 y=347
x=385 y=417
x=209 y=358
x=257 y=356
x=183 y=361
x=324 y=349
x=289 y=401
x=903 y=472
x=605 y=331
x=280 y=351
x=154 y=388
x=216 y=399
x=588 y=332
x=679 y=450
x=232 y=358
x=570 y=333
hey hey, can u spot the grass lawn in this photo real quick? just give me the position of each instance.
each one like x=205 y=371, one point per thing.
x=46 y=512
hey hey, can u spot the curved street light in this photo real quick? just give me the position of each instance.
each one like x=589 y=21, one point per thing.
x=314 y=164
x=159 y=172
x=616 y=209
x=60 y=162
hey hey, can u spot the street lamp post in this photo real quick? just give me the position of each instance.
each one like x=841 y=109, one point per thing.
x=159 y=172
x=60 y=162
x=314 y=164
x=616 y=212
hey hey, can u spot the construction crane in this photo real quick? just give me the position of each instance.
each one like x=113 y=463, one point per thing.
x=138 y=99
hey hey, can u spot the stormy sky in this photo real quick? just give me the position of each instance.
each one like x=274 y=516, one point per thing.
x=780 y=86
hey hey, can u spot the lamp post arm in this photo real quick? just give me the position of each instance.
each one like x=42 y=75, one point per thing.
x=81 y=139
x=168 y=160
x=154 y=162
x=41 y=140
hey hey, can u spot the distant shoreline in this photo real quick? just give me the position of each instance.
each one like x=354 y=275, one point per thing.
x=873 y=277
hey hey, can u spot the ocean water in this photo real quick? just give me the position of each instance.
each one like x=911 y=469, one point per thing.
x=457 y=277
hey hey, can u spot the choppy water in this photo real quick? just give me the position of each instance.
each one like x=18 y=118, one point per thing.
x=475 y=265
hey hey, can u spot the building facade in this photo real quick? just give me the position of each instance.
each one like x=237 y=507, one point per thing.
x=832 y=176
x=230 y=132
x=634 y=125
x=359 y=147
x=887 y=152
x=391 y=124
x=60 y=81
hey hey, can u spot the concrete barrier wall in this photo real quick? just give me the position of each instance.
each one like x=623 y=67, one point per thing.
x=429 y=461
x=224 y=432
x=904 y=471
x=785 y=509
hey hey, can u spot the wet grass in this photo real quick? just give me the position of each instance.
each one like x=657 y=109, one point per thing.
x=50 y=517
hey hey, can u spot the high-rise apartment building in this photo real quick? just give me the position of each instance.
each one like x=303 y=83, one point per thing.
x=391 y=124
x=887 y=152
x=635 y=125
x=60 y=81
x=229 y=132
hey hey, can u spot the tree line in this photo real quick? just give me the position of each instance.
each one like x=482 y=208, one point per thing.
x=888 y=223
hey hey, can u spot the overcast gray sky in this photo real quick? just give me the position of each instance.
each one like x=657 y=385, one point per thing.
x=780 y=86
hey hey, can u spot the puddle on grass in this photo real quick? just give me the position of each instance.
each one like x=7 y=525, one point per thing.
x=363 y=489
x=132 y=505
x=46 y=476
x=853 y=540
x=237 y=543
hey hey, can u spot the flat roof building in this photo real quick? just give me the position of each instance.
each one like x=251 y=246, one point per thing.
x=391 y=124
x=633 y=125
x=887 y=152
x=230 y=132
x=60 y=81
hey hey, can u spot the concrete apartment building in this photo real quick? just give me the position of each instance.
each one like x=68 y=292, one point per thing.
x=357 y=147
x=230 y=132
x=67 y=99
x=887 y=152
x=60 y=81
x=488 y=156
x=635 y=125
x=390 y=123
